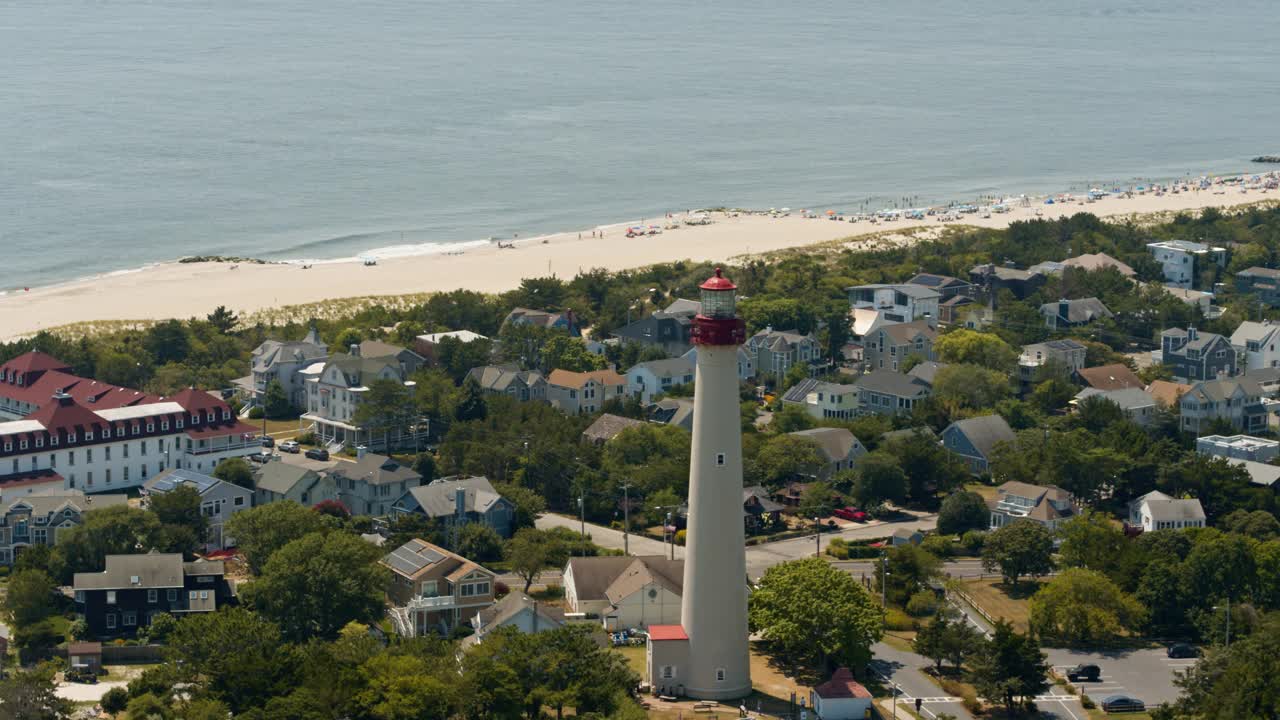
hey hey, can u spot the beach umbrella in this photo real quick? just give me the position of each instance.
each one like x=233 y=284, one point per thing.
x=831 y=212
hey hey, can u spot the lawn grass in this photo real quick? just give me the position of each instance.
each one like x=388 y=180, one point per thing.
x=993 y=596
x=986 y=491
x=278 y=429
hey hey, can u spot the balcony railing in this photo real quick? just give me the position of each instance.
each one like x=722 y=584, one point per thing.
x=441 y=602
x=237 y=445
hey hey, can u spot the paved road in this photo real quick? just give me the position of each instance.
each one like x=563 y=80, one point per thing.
x=902 y=670
x=759 y=557
x=79 y=692
x=1146 y=674
x=962 y=568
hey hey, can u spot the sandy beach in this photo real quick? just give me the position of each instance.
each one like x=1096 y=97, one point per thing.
x=193 y=289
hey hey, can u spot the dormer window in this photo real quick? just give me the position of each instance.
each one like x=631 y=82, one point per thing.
x=88 y=435
x=151 y=427
x=164 y=424
x=226 y=413
x=39 y=441
x=53 y=439
x=71 y=437
x=8 y=446
x=22 y=444
x=178 y=422
x=195 y=419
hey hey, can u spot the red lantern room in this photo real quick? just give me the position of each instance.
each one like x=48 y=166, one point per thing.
x=718 y=323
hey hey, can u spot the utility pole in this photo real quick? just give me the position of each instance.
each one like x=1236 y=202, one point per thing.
x=626 y=517
x=817 y=537
x=582 y=517
x=884 y=581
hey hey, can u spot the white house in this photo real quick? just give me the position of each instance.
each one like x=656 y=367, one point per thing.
x=625 y=592
x=897 y=303
x=219 y=500
x=1157 y=511
x=1257 y=344
x=1238 y=447
x=334 y=395
x=515 y=610
x=822 y=399
x=646 y=379
x=841 y=698
x=1181 y=259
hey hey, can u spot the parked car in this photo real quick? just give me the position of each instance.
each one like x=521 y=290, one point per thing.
x=851 y=513
x=1090 y=673
x=268 y=441
x=1123 y=703
x=81 y=675
x=260 y=457
x=290 y=446
x=317 y=454
x=1182 y=650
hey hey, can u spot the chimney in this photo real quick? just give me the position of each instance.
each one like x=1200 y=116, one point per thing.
x=460 y=503
x=360 y=452
x=1064 y=309
x=355 y=349
x=62 y=398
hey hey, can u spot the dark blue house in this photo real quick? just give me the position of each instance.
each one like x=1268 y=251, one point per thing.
x=974 y=440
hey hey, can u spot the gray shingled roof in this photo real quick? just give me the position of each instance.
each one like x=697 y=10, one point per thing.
x=498 y=379
x=893 y=383
x=926 y=371
x=1082 y=310
x=512 y=605
x=904 y=333
x=667 y=367
x=836 y=443
x=376 y=470
x=439 y=499
x=608 y=426
x=984 y=432
x=1264 y=272
x=47 y=503
x=280 y=477
x=144 y=571
x=593 y=575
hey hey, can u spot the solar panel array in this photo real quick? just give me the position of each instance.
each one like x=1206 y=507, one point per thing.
x=412 y=557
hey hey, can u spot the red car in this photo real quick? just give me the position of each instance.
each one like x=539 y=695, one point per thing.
x=851 y=513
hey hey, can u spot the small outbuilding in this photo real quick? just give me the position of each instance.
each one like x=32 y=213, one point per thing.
x=841 y=698
x=85 y=656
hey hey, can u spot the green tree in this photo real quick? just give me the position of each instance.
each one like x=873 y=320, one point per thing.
x=880 y=479
x=561 y=352
x=811 y=611
x=115 y=700
x=115 y=530
x=403 y=687
x=1097 y=413
x=528 y=554
x=782 y=457
x=1161 y=590
x=313 y=586
x=818 y=501
x=471 y=403
x=911 y=567
x=653 y=457
x=1021 y=548
x=792 y=418
x=1009 y=666
x=479 y=543
x=30 y=695
x=234 y=655
x=261 y=531
x=29 y=597
x=963 y=511
x=167 y=341
x=180 y=508
x=930 y=640
x=148 y=707
x=1090 y=540
x=386 y=407
x=275 y=402
x=1235 y=683
x=959 y=388
x=345 y=339
x=1083 y=607
x=1259 y=524
x=976 y=348
x=222 y=319
x=929 y=467
x=235 y=471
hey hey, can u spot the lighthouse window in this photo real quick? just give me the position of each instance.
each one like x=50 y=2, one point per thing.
x=719 y=459
x=719 y=674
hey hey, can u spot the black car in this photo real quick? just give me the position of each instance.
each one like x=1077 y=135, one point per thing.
x=317 y=454
x=268 y=441
x=1090 y=673
x=1123 y=703
x=1182 y=650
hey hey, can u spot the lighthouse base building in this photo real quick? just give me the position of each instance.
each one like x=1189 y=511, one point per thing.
x=707 y=656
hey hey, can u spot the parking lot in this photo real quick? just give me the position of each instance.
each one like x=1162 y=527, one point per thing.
x=1145 y=674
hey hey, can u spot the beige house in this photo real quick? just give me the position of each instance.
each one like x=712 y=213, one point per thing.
x=433 y=589
x=584 y=393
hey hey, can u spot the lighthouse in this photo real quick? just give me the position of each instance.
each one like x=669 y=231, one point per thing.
x=706 y=656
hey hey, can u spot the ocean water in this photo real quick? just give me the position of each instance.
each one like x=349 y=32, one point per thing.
x=137 y=131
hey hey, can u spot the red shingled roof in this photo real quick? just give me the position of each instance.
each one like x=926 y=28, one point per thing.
x=66 y=416
x=841 y=685
x=35 y=362
x=192 y=400
x=658 y=633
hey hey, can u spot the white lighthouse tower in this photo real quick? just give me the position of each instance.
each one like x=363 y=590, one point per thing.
x=706 y=656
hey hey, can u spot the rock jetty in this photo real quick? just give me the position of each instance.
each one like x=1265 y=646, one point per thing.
x=1267 y=158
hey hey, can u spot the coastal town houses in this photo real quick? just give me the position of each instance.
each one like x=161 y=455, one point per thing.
x=1260 y=474
x=522 y=385
x=133 y=589
x=1263 y=283
x=1237 y=401
x=1068 y=355
x=994 y=278
x=1098 y=261
x=1199 y=299
x=759 y=511
x=1109 y=377
x=607 y=427
x=1167 y=393
x=822 y=399
x=625 y=592
x=459 y=500
x=647 y=379
x=1157 y=511
x=975 y=439
x=1065 y=314
x=667 y=329
x=677 y=412
x=519 y=611
x=1048 y=505
x=96 y=437
x=838 y=447
x=373 y=483
x=428 y=346
x=1137 y=404
x=544 y=319
x=1195 y=355
x=1181 y=260
x=887 y=347
x=897 y=303
x=584 y=393
x=278 y=480
x=926 y=371
x=40 y=518
x=1257 y=344
x=334 y=394
x=951 y=311
x=774 y=352
x=219 y=500
x=945 y=285
x=746 y=362
x=433 y=590
x=283 y=362
x=1238 y=447
x=885 y=392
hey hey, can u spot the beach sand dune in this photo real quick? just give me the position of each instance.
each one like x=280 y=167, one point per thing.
x=193 y=289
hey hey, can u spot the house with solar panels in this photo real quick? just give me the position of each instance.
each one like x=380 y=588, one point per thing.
x=219 y=500
x=434 y=590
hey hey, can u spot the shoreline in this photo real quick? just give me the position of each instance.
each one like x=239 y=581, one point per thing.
x=185 y=289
